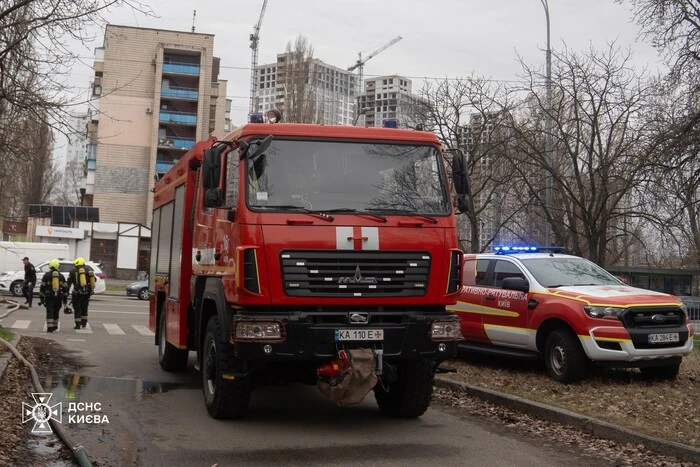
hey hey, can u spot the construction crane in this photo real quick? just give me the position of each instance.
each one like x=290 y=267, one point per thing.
x=360 y=64
x=254 y=62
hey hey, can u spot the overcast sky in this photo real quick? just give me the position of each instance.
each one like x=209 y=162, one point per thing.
x=448 y=38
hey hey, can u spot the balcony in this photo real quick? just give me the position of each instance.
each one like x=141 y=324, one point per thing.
x=164 y=166
x=180 y=69
x=183 y=118
x=180 y=93
x=184 y=144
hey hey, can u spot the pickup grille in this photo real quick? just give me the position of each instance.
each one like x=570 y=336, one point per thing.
x=333 y=273
x=653 y=317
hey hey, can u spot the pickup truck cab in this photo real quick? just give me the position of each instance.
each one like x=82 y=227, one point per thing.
x=527 y=302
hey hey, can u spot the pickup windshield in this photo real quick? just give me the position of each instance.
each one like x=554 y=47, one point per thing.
x=566 y=272
x=346 y=176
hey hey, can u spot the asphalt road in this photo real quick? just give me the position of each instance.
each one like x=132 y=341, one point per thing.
x=159 y=418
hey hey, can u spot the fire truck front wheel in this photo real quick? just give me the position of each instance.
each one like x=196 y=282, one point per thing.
x=170 y=357
x=409 y=396
x=226 y=395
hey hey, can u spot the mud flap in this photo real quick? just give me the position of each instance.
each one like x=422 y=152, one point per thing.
x=356 y=381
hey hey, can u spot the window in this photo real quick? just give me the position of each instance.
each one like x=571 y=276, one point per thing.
x=503 y=270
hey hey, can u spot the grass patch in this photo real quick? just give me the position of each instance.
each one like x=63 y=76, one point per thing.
x=6 y=334
x=664 y=409
x=115 y=288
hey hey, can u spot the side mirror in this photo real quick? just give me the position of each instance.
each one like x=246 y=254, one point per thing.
x=459 y=173
x=213 y=198
x=262 y=147
x=211 y=169
x=515 y=283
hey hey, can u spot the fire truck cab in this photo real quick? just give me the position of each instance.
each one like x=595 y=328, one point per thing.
x=318 y=254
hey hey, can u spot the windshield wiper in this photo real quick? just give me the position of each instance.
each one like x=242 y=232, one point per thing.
x=357 y=211
x=291 y=207
x=405 y=212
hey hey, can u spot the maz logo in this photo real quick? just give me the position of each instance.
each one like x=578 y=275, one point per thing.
x=357 y=278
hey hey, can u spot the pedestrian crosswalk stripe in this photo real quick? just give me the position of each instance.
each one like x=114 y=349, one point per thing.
x=143 y=330
x=21 y=324
x=114 y=329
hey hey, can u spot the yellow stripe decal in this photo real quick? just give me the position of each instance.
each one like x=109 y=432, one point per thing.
x=463 y=307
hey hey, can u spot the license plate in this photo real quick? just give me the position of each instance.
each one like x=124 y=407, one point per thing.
x=359 y=335
x=663 y=338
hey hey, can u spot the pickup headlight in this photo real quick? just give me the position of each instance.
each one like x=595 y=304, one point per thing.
x=604 y=312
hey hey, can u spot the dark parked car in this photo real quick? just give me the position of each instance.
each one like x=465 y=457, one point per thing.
x=138 y=289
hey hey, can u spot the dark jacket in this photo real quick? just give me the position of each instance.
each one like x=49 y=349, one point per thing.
x=29 y=273
x=45 y=290
x=74 y=280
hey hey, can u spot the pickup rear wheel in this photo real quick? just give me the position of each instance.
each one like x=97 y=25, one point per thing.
x=564 y=357
x=170 y=357
x=226 y=393
x=665 y=373
x=409 y=396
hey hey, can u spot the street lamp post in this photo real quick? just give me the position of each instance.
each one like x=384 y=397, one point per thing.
x=548 y=132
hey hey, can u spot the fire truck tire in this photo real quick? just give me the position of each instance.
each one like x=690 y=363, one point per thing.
x=564 y=357
x=170 y=357
x=664 y=373
x=224 y=397
x=409 y=396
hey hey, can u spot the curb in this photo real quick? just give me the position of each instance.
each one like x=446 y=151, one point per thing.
x=7 y=355
x=583 y=423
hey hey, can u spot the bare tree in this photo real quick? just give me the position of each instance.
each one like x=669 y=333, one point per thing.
x=599 y=161
x=471 y=118
x=300 y=83
x=35 y=100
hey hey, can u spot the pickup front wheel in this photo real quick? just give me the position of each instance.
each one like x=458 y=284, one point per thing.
x=409 y=396
x=564 y=357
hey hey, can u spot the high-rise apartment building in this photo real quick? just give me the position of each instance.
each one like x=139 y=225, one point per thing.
x=76 y=154
x=312 y=92
x=390 y=98
x=155 y=93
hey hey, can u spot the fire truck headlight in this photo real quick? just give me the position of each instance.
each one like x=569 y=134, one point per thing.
x=258 y=330
x=604 y=312
x=445 y=331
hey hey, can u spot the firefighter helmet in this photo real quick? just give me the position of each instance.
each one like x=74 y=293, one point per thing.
x=79 y=261
x=53 y=264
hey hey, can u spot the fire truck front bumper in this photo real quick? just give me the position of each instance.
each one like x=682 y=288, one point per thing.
x=309 y=336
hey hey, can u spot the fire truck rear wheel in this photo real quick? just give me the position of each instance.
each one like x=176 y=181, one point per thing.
x=224 y=397
x=564 y=357
x=170 y=357
x=409 y=396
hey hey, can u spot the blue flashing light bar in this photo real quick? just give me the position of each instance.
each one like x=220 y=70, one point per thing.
x=504 y=249
x=391 y=123
x=256 y=118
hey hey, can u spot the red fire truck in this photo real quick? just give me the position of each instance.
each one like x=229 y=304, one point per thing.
x=309 y=253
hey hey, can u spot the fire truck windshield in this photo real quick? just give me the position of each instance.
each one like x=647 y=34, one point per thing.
x=330 y=175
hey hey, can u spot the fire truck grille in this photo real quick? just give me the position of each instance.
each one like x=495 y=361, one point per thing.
x=653 y=317
x=333 y=273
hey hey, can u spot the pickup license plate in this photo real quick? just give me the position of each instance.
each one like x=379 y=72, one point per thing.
x=663 y=338
x=359 y=335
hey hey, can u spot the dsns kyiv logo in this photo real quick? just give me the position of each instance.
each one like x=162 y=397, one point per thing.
x=41 y=412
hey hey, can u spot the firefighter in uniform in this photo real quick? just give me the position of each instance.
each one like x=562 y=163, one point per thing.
x=52 y=293
x=82 y=279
